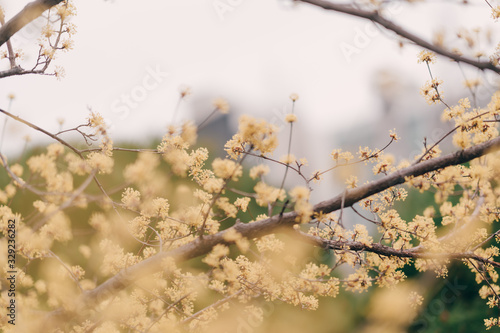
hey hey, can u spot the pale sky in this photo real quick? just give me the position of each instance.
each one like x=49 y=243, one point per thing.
x=255 y=55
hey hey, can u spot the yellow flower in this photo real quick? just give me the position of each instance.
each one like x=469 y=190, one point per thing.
x=495 y=13
x=242 y=203
x=131 y=199
x=288 y=159
x=426 y=56
x=300 y=195
x=47 y=31
x=17 y=169
x=95 y=119
x=393 y=135
x=259 y=134
x=232 y=235
x=222 y=105
x=101 y=162
x=67 y=44
x=267 y=194
x=294 y=97
x=290 y=118
x=258 y=171
x=184 y=91
x=59 y=72
x=338 y=154
x=65 y=10
x=430 y=91
x=226 y=169
x=218 y=252
x=352 y=182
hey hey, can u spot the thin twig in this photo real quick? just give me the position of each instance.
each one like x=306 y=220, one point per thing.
x=35 y=127
x=374 y=16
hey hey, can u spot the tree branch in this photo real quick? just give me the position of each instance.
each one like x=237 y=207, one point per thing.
x=375 y=17
x=18 y=70
x=389 y=251
x=201 y=246
x=30 y=12
x=35 y=127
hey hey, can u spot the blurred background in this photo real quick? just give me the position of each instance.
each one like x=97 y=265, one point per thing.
x=355 y=81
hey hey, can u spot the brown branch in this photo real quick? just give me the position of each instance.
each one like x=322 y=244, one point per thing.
x=18 y=70
x=276 y=223
x=35 y=127
x=390 y=251
x=30 y=12
x=11 y=71
x=375 y=17
x=445 y=136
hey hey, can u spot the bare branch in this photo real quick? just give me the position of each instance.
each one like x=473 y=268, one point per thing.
x=18 y=70
x=12 y=71
x=30 y=12
x=35 y=127
x=390 y=251
x=375 y=17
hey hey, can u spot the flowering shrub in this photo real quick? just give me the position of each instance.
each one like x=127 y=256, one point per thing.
x=135 y=269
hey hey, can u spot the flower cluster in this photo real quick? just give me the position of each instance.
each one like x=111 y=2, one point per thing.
x=253 y=135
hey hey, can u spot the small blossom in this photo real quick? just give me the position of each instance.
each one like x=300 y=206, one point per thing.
x=101 y=162
x=258 y=171
x=59 y=72
x=415 y=299
x=267 y=194
x=294 y=97
x=131 y=198
x=316 y=176
x=95 y=119
x=393 y=135
x=67 y=44
x=290 y=118
x=430 y=91
x=218 y=252
x=339 y=155
x=47 y=31
x=242 y=204
x=222 y=105
x=227 y=169
x=288 y=159
x=426 y=56
x=352 y=182
x=185 y=91
x=232 y=235
x=495 y=13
